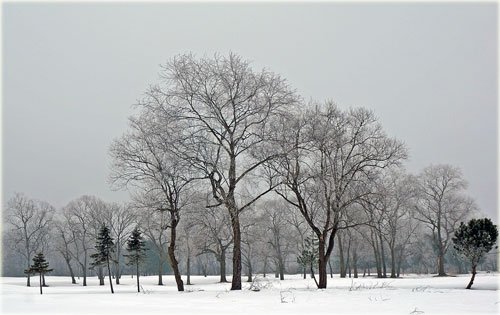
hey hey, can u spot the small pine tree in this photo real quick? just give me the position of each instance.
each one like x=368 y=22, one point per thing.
x=136 y=246
x=473 y=240
x=104 y=247
x=309 y=255
x=40 y=266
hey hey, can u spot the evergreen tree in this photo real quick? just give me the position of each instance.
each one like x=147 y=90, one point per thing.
x=309 y=255
x=104 y=249
x=136 y=246
x=473 y=240
x=40 y=266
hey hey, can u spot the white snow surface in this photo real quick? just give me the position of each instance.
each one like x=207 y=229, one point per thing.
x=410 y=294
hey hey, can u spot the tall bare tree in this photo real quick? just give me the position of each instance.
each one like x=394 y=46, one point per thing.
x=29 y=222
x=63 y=244
x=441 y=205
x=143 y=159
x=122 y=221
x=331 y=155
x=84 y=217
x=223 y=109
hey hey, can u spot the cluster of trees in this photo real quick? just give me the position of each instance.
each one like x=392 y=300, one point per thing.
x=223 y=161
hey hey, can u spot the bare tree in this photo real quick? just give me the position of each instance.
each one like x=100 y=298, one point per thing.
x=63 y=244
x=441 y=205
x=154 y=224
x=122 y=219
x=215 y=235
x=223 y=109
x=84 y=217
x=331 y=154
x=143 y=159
x=30 y=221
x=279 y=235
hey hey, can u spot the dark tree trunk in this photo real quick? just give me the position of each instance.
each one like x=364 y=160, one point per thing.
x=43 y=280
x=160 y=270
x=109 y=275
x=441 y=272
x=137 y=275
x=281 y=267
x=235 y=224
x=305 y=272
x=171 y=254
x=355 y=262
x=41 y=283
x=222 y=263
x=393 y=262
x=382 y=256
x=330 y=267
x=473 y=276
x=376 y=255
x=322 y=264
x=84 y=269
x=249 y=276
x=265 y=267
x=188 y=270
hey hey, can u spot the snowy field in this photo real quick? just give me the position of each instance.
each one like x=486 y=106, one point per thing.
x=408 y=295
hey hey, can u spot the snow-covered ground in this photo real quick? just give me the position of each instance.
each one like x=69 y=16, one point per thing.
x=408 y=295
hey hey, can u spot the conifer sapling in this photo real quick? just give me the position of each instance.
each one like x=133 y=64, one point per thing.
x=137 y=251
x=40 y=266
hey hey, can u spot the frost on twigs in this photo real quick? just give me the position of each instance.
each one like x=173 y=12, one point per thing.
x=416 y=312
x=378 y=299
x=420 y=288
x=144 y=291
x=259 y=283
x=370 y=286
x=287 y=296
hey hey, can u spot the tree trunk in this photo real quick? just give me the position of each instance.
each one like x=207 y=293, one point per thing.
x=441 y=272
x=84 y=268
x=249 y=279
x=72 y=274
x=109 y=275
x=188 y=270
x=305 y=273
x=160 y=270
x=265 y=267
x=222 y=263
x=137 y=276
x=117 y=263
x=43 y=280
x=376 y=255
x=100 y=275
x=173 y=261
x=355 y=262
x=235 y=224
x=41 y=283
x=473 y=276
x=330 y=267
x=393 y=262
x=281 y=267
x=341 y=257
x=322 y=264
x=382 y=256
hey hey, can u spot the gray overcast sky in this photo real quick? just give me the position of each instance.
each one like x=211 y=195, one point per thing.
x=72 y=71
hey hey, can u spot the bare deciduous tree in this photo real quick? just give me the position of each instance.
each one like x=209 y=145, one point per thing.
x=224 y=110
x=143 y=158
x=30 y=221
x=331 y=154
x=441 y=205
